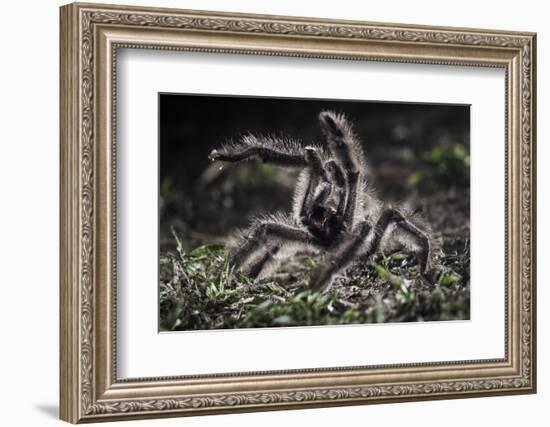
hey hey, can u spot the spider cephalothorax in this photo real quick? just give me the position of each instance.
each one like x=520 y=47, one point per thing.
x=334 y=209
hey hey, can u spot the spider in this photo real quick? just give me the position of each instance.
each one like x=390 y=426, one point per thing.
x=334 y=209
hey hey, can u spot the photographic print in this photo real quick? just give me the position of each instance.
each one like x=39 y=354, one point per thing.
x=299 y=212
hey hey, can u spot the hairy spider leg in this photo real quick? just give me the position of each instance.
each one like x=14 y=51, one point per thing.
x=269 y=149
x=344 y=253
x=256 y=266
x=322 y=193
x=338 y=187
x=353 y=248
x=349 y=209
x=269 y=232
x=340 y=139
x=421 y=244
x=315 y=174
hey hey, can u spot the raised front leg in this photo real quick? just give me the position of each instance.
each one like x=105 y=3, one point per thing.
x=340 y=140
x=316 y=173
x=268 y=149
x=349 y=156
x=351 y=201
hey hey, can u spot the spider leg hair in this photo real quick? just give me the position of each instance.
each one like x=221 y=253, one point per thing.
x=351 y=201
x=336 y=176
x=322 y=192
x=416 y=240
x=268 y=149
x=343 y=255
x=248 y=249
x=305 y=190
x=259 y=263
x=348 y=153
x=342 y=142
x=315 y=162
x=366 y=241
x=412 y=237
x=338 y=187
x=309 y=181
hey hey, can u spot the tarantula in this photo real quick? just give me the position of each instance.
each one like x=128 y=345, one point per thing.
x=334 y=209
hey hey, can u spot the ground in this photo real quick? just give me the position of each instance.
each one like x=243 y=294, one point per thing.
x=198 y=289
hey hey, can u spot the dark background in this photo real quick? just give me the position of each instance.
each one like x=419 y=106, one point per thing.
x=407 y=147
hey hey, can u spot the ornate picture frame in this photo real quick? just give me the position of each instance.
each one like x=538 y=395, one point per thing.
x=90 y=37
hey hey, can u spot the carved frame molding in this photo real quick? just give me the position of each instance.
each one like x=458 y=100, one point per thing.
x=90 y=36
